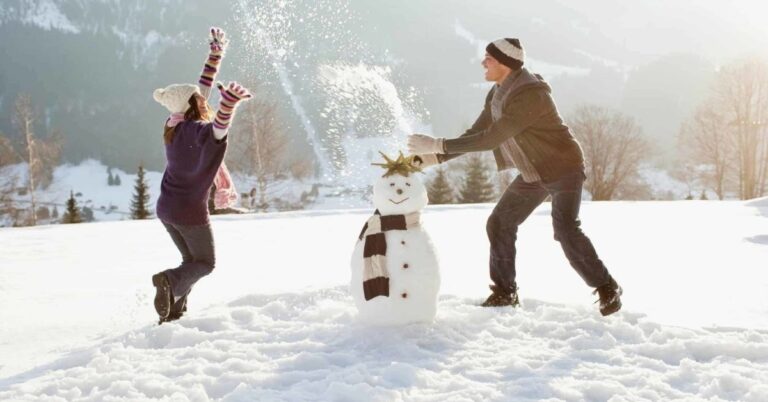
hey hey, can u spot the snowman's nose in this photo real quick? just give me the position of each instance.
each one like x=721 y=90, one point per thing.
x=399 y=191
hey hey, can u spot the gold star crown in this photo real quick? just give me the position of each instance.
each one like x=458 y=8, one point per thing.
x=403 y=165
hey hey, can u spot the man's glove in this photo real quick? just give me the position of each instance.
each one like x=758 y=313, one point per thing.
x=425 y=160
x=425 y=144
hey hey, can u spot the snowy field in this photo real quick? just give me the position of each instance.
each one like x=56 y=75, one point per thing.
x=275 y=320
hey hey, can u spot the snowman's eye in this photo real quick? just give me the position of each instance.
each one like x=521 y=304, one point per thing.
x=391 y=184
x=408 y=184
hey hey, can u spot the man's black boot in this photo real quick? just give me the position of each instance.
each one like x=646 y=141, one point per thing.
x=502 y=297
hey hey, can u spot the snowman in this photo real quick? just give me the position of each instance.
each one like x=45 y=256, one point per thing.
x=395 y=275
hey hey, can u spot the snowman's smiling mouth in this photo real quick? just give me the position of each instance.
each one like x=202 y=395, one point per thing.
x=399 y=202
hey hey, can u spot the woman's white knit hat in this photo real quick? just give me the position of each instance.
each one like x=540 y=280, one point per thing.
x=175 y=97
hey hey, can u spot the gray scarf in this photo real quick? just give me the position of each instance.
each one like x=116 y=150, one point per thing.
x=510 y=148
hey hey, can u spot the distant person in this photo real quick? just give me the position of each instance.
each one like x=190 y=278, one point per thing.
x=194 y=149
x=522 y=127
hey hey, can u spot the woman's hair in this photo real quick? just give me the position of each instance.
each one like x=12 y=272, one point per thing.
x=193 y=113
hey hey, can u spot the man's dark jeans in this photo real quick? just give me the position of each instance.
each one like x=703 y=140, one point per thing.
x=195 y=243
x=517 y=203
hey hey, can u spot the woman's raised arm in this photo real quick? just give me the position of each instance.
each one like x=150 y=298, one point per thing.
x=218 y=44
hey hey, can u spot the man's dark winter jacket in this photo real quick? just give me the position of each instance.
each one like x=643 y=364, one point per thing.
x=531 y=119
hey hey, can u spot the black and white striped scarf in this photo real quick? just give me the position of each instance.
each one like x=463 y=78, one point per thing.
x=375 y=274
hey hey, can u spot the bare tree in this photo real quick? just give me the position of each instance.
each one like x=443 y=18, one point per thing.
x=637 y=188
x=8 y=180
x=613 y=148
x=49 y=156
x=259 y=149
x=686 y=171
x=7 y=205
x=302 y=168
x=8 y=155
x=24 y=118
x=41 y=155
x=706 y=148
x=741 y=95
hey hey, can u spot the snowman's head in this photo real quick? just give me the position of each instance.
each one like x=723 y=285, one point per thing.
x=399 y=191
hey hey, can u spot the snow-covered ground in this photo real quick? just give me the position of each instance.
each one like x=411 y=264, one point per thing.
x=275 y=320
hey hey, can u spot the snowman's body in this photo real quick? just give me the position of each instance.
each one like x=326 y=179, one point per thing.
x=411 y=261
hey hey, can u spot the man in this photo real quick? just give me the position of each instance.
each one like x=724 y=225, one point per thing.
x=521 y=124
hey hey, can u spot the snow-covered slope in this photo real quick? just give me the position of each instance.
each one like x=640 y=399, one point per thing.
x=275 y=321
x=88 y=181
x=89 y=178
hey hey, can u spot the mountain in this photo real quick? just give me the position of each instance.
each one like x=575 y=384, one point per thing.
x=358 y=68
x=90 y=67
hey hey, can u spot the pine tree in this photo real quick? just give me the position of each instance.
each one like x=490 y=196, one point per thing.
x=110 y=180
x=72 y=215
x=478 y=186
x=117 y=180
x=440 y=190
x=55 y=213
x=140 y=202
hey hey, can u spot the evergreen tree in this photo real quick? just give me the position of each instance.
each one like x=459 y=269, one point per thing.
x=439 y=189
x=110 y=180
x=117 y=180
x=478 y=186
x=140 y=202
x=703 y=195
x=55 y=213
x=72 y=215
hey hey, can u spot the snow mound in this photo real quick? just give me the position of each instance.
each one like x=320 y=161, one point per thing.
x=308 y=346
x=758 y=202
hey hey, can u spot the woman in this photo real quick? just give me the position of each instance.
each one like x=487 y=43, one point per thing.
x=194 y=148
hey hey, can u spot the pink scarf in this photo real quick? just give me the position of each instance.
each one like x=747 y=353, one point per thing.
x=174 y=119
x=226 y=193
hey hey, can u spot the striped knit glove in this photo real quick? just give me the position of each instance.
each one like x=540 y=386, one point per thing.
x=230 y=97
x=218 y=41
x=218 y=44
